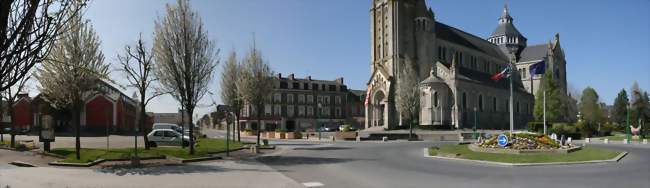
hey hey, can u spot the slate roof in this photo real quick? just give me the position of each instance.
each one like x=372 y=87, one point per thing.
x=460 y=37
x=432 y=79
x=506 y=29
x=532 y=53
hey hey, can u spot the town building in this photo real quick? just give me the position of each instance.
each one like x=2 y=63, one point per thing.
x=454 y=68
x=105 y=109
x=304 y=103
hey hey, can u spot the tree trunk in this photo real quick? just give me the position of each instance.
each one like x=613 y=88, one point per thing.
x=191 y=127
x=238 y=127
x=143 y=122
x=259 y=126
x=77 y=129
x=10 y=110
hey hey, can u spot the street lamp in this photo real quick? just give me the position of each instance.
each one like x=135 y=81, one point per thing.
x=474 y=133
x=317 y=125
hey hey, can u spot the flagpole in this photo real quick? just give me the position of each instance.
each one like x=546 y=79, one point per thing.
x=512 y=117
x=544 y=106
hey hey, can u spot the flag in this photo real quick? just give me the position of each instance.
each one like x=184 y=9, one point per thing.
x=368 y=95
x=537 y=68
x=505 y=73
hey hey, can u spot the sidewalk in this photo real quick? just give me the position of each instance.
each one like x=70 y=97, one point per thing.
x=243 y=173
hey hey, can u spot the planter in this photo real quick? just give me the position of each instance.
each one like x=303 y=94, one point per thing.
x=346 y=135
x=292 y=135
x=270 y=134
x=280 y=135
x=249 y=133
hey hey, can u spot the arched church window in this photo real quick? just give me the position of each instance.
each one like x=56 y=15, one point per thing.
x=480 y=103
x=435 y=99
x=464 y=101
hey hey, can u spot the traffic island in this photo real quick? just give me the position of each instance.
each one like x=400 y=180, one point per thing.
x=585 y=155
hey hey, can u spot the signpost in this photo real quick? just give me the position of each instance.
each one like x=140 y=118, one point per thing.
x=502 y=140
x=47 y=131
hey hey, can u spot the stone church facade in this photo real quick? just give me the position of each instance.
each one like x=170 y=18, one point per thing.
x=454 y=68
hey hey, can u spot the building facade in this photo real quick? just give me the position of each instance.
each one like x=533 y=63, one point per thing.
x=107 y=108
x=454 y=68
x=300 y=104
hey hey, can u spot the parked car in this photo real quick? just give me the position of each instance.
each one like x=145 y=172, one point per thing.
x=170 y=126
x=166 y=137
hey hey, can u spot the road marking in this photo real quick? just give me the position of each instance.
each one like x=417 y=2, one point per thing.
x=312 y=184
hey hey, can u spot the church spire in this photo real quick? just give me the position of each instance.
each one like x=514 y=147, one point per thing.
x=505 y=16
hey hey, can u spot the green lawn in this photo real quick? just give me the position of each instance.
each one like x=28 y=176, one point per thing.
x=203 y=148
x=585 y=154
x=617 y=137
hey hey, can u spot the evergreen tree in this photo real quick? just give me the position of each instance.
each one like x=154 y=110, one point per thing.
x=620 y=107
x=556 y=103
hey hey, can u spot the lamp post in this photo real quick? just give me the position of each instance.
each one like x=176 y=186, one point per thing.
x=627 y=128
x=474 y=133
x=317 y=125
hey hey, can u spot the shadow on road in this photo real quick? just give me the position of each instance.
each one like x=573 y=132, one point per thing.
x=171 y=169
x=299 y=160
x=323 y=148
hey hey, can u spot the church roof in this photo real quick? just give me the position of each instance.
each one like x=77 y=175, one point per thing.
x=460 y=37
x=532 y=53
x=507 y=29
x=432 y=79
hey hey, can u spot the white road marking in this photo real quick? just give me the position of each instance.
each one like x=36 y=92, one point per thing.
x=312 y=184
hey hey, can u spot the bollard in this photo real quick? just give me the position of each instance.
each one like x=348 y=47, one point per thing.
x=385 y=138
x=606 y=141
x=332 y=138
x=645 y=141
x=587 y=140
x=358 y=139
x=625 y=141
x=461 y=139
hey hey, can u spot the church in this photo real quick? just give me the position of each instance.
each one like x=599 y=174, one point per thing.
x=454 y=68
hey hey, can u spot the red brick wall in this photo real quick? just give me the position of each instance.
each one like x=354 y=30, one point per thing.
x=23 y=114
x=96 y=112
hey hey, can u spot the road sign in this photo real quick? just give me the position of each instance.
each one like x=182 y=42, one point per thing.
x=502 y=140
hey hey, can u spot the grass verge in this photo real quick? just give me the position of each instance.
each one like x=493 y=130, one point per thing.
x=618 y=137
x=203 y=148
x=585 y=154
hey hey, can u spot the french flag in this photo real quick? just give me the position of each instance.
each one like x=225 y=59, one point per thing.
x=505 y=73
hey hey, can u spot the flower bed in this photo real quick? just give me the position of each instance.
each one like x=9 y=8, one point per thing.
x=523 y=141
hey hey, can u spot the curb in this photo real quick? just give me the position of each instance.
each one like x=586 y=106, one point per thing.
x=21 y=164
x=613 y=160
x=98 y=161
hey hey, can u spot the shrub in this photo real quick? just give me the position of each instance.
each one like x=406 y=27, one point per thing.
x=535 y=126
x=586 y=129
x=563 y=129
x=21 y=147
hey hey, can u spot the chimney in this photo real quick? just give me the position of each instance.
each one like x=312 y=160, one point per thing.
x=339 y=80
x=309 y=78
x=291 y=76
x=280 y=75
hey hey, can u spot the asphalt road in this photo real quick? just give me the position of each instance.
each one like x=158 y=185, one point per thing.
x=401 y=164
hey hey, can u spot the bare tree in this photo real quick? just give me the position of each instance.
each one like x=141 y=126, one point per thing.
x=229 y=95
x=255 y=84
x=185 y=57
x=74 y=68
x=28 y=28
x=10 y=95
x=408 y=99
x=137 y=65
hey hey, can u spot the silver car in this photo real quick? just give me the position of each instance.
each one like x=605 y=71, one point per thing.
x=166 y=137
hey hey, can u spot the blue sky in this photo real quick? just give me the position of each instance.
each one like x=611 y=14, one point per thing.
x=606 y=43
